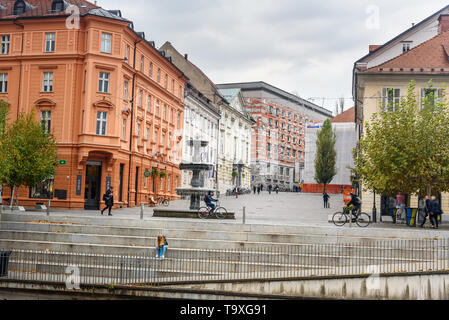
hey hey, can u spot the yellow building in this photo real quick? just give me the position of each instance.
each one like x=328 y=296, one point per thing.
x=387 y=82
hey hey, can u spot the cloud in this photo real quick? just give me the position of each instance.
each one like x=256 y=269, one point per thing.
x=309 y=47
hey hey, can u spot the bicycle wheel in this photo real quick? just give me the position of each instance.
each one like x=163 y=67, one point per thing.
x=363 y=220
x=203 y=212
x=339 y=219
x=165 y=202
x=221 y=213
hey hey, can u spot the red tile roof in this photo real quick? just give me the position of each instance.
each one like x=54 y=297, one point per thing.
x=346 y=116
x=430 y=57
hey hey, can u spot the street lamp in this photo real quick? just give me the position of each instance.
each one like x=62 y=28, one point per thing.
x=374 y=208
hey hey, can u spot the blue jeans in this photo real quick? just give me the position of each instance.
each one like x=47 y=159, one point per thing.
x=160 y=251
x=212 y=206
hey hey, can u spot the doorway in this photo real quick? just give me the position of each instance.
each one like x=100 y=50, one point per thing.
x=92 y=186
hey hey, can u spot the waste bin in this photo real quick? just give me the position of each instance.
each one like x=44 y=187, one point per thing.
x=411 y=216
x=4 y=260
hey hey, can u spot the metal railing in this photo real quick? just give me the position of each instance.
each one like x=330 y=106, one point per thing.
x=196 y=265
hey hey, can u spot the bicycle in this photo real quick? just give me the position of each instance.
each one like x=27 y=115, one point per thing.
x=220 y=212
x=341 y=218
x=163 y=200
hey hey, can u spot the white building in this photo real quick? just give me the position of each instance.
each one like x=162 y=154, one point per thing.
x=201 y=121
x=234 y=161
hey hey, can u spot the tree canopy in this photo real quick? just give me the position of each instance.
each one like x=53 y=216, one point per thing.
x=326 y=156
x=405 y=147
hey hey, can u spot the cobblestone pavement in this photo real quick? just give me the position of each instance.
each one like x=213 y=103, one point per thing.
x=274 y=209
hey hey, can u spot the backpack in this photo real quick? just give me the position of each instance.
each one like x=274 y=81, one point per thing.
x=105 y=197
x=206 y=198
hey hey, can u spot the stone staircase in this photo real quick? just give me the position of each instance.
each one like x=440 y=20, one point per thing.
x=201 y=250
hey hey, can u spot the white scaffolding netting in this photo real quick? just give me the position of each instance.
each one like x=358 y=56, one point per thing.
x=346 y=141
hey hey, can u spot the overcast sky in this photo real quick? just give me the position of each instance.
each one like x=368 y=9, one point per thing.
x=307 y=47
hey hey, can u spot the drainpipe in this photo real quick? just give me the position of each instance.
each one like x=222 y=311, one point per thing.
x=132 y=118
x=20 y=73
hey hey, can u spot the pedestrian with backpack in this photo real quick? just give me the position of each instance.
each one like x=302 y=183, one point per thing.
x=108 y=199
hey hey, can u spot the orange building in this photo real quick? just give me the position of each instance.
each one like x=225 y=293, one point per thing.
x=112 y=100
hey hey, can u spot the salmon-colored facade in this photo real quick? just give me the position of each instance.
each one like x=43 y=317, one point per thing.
x=111 y=99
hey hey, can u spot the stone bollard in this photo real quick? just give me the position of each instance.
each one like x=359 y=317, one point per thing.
x=244 y=215
x=48 y=207
x=141 y=211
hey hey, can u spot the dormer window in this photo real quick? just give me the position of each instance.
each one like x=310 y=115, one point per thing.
x=19 y=7
x=58 y=6
x=406 y=46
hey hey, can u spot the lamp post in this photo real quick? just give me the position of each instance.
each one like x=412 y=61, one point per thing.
x=374 y=208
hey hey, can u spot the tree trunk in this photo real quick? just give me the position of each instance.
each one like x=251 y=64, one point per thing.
x=12 y=197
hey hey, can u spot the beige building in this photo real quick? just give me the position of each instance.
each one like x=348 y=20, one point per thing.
x=386 y=83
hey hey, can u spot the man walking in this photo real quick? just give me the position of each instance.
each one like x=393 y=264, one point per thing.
x=436 y=211
x=258 y=189
x=326 y=199
x=270 y=187
x=427 y=211
x=254 y=189
x=108 y=198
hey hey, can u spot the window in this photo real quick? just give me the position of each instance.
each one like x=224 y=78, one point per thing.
x=171 y=115
x=5 y=44
x=159 y=76
x=179 y=120
x=155 y=137
x=180 y=92
x=406 y=46
x=164 y=111
x=157 y=107
x=3 y=82
x=101 y=123
x=142 y=63
x=138 y=130
x=173 y=86
x=163 y=139
x=147 y=134
x=162 y=183
x=431 y=96
x=151 y=70
x=125 y=90
x=48 y=82
x=391 y=98
x=127 y=53
x=42 y=190
x=106 y=42
x=46 y=120
x=166 y=81
x=103 y=83
x=123 y=129
x=50 y=42
x=149 y=103
x=140 y=97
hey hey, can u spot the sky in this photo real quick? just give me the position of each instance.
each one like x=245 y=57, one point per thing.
x=303 y=47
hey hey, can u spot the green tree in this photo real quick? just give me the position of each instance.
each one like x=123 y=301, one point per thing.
x=4 y=164
x=326 y=156
x=30 y=151
x=405 y=148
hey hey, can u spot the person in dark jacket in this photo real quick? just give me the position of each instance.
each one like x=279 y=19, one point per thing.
x=208 y=199
x=326 y=200
x=435 y=212
x=270 y=187
x=254 y=189
x=258 y=189
x=276 y=189
x=427 y=211
x=356 y=203
x=108 y=200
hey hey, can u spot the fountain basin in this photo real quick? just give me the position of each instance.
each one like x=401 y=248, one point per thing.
x=196 y=166
x=180 y=213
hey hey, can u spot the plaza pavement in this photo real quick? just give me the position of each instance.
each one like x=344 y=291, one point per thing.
x=293 y=209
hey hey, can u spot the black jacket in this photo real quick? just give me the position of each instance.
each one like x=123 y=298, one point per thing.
x=435 y=207
x=109 y=201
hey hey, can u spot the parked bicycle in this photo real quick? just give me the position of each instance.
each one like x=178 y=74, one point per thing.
x=163 y=201
x=341 y=218
x=220 y=212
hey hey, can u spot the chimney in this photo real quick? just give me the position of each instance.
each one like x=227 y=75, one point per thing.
x=443 y=23
x=186 y=56
x=373 y=47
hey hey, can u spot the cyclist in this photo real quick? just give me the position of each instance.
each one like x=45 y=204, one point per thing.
x=356 y=203
x=208 y=200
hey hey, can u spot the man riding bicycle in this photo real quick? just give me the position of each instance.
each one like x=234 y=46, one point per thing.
x=208 y=200
x=356 y=203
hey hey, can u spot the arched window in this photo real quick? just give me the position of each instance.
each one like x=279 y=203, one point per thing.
x=19 y=7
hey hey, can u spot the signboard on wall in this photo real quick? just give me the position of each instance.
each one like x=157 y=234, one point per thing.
x=78 y=184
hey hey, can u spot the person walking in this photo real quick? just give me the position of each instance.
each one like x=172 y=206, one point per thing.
x=435 y=212
x=270 y=187
x=254 y=189
x=258 y=189
x=161 y=246
x=326 y=199
x=108 y=199
x=261 y=187
x=276 y=189
x=427 y=210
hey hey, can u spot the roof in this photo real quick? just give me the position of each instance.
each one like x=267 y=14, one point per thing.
x=346 y=116
x=43 y=8
x=438 y=13
x=430 y=57
x=229 y=94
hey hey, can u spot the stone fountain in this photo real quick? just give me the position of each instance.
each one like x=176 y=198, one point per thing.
x=196 y=191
